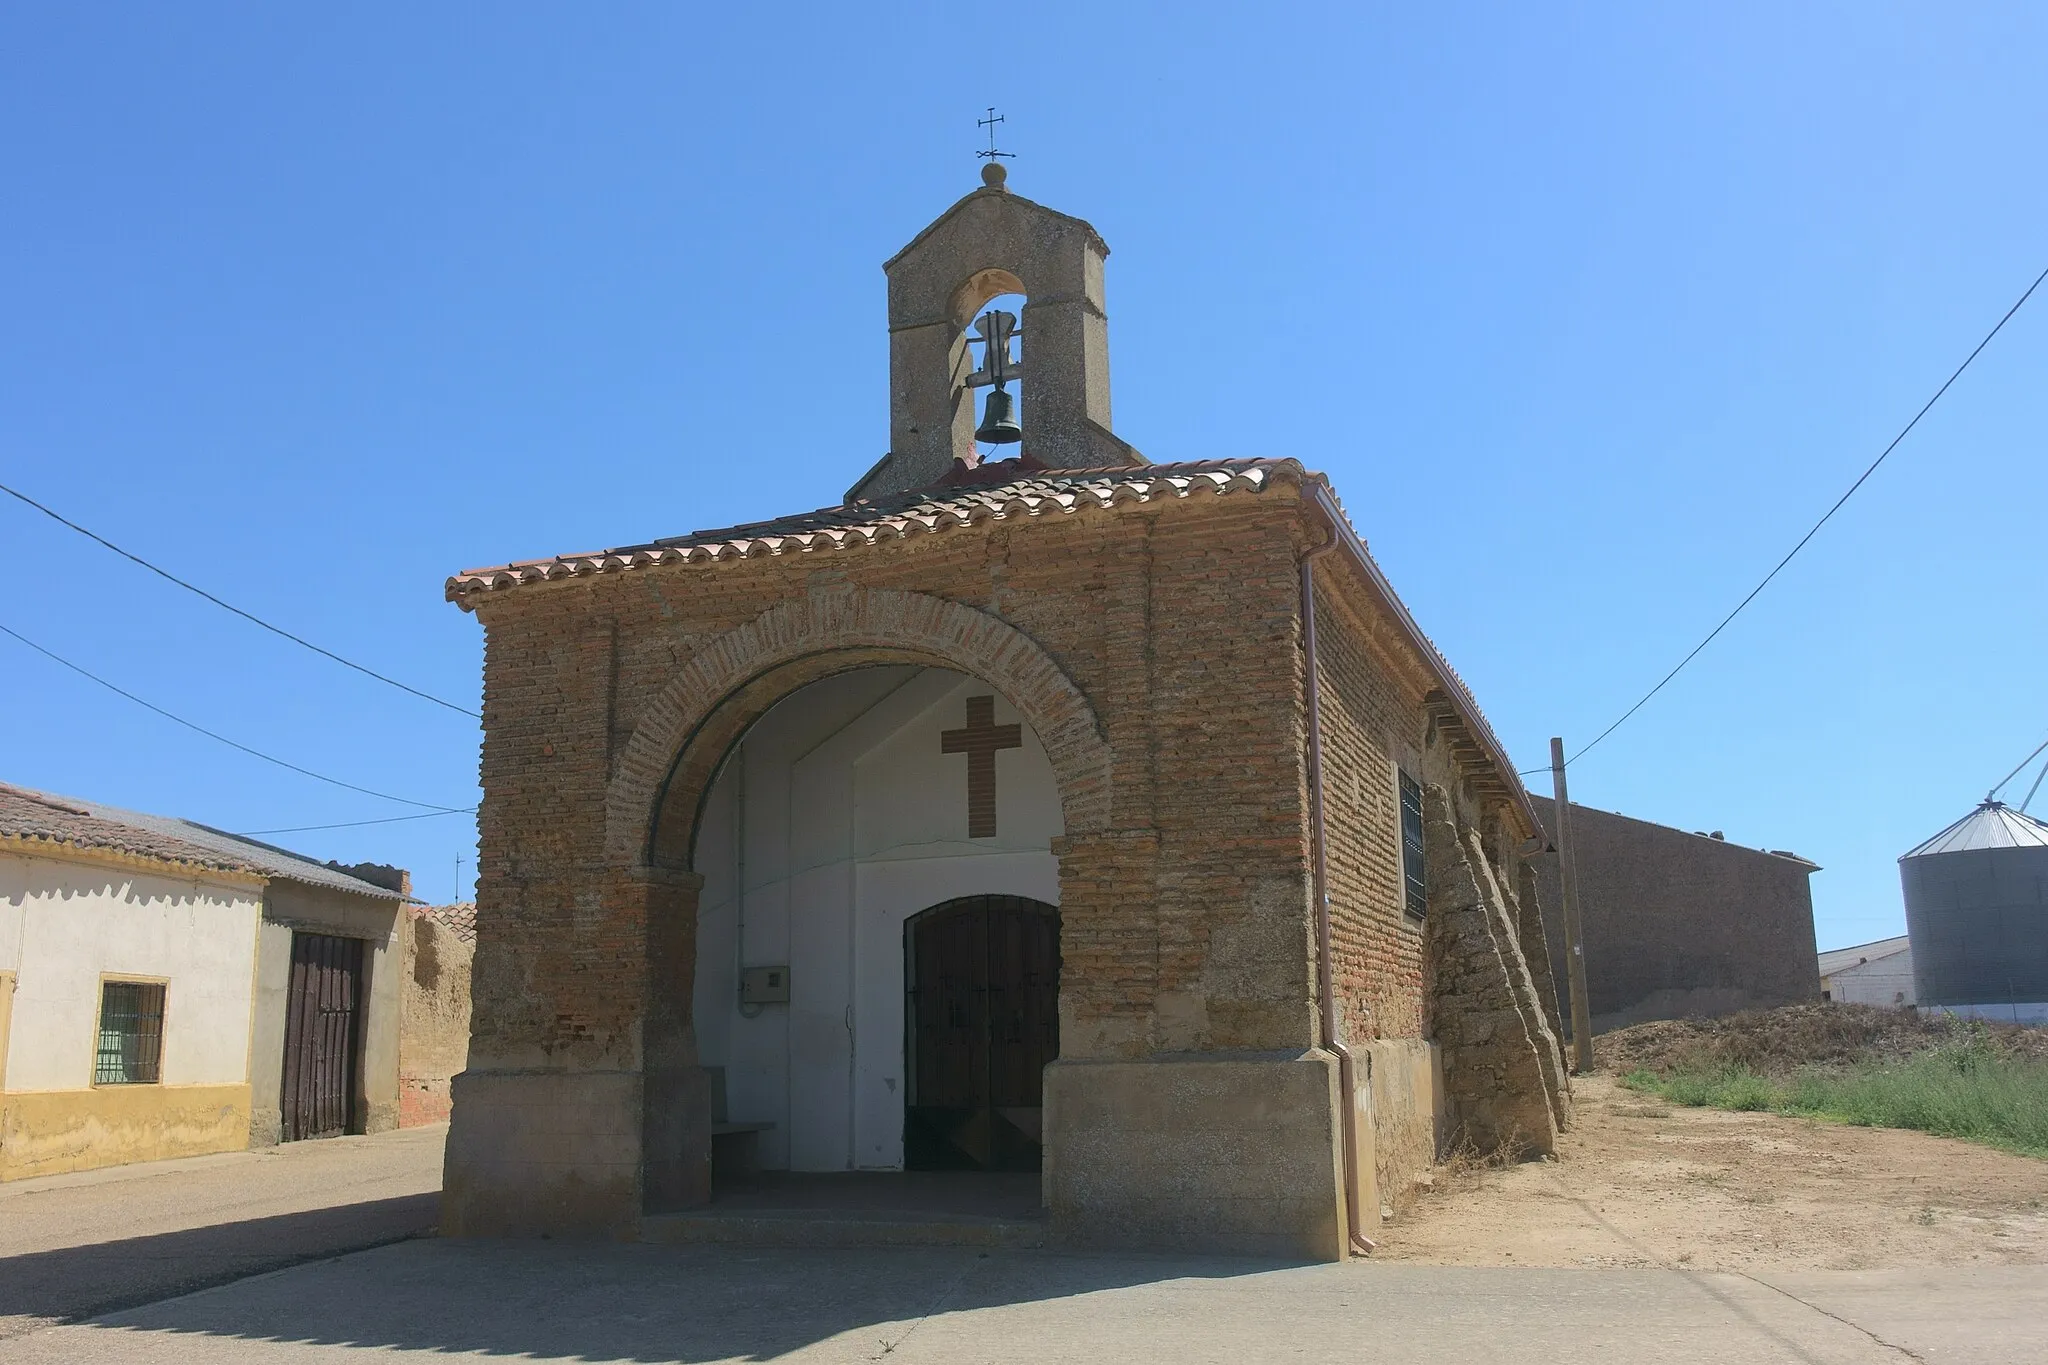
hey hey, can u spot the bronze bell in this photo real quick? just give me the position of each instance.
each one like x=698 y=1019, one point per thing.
x=999 y=419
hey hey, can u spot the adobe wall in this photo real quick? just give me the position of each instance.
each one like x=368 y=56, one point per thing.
x=1183 y=893
x=1680 y=924
x=433 y=1021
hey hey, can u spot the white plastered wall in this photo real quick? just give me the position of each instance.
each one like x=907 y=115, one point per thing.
x=1885 y=981
x=65 y=924
x=842 y=818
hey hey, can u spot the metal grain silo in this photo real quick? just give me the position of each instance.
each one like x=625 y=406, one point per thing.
x=1977 y=913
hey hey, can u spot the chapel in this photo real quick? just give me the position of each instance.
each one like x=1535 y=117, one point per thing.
x=1101 y=826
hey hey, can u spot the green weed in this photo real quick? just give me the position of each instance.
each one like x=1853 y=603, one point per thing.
x=1963 y=1089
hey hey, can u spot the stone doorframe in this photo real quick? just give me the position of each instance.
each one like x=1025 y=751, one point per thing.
x=656 y=796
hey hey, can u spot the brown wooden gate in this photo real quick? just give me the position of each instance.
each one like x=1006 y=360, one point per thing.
x=982 y=1020
x=321 y=1041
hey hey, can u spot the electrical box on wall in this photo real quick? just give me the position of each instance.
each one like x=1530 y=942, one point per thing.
x=764 y=986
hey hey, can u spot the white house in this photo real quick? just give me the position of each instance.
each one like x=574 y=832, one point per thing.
x=1879 y=973
x=171 y=990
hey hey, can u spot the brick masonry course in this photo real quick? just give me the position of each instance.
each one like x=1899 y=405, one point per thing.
x=1155 y=647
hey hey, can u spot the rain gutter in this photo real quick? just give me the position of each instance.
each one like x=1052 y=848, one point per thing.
x=1453 y=686
x=1326 y=989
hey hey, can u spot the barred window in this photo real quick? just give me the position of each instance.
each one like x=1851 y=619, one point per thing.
x=1415 y=899
x=131 y=1033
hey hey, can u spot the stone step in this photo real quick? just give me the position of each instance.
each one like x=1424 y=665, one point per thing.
x=840 y=1228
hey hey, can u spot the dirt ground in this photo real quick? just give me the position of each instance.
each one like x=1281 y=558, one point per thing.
x=1641 y=1182
x=1793 y=1038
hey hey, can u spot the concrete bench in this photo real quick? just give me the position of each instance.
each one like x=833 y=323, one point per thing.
x=735 y=1147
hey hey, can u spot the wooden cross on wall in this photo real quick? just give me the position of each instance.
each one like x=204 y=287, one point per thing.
x=980 y=741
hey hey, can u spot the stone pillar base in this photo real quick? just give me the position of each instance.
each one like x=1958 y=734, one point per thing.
x=677 y=1139
x=1225 y=1152
x=1404 y=1085
x=543 y=1153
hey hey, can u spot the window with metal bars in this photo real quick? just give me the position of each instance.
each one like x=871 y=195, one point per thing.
x=1415 y=898
x=131 y=1033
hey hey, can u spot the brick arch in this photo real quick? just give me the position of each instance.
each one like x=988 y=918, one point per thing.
x=667 y=765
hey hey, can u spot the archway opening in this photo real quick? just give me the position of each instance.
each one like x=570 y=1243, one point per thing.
x=851 y=805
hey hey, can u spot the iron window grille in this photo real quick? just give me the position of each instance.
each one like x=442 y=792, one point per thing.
x=131 y=1034
x=1415 y=889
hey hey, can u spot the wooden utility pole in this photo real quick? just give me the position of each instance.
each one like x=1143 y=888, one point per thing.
x=1575 y=943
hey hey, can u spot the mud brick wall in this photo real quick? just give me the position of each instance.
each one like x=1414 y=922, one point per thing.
x=433 y=1019
x=1679 y=924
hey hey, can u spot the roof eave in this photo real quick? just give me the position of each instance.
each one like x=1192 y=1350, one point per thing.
x=1432 y=660
x=73 y=850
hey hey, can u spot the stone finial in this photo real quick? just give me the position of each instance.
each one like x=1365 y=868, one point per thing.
x=990 y=243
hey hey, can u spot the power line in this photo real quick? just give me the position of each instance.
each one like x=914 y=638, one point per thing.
x=229 y=606
x=2036 y=787
x=1903 y=433
x=2018 y=768
x=355 y=824
x=200 y=729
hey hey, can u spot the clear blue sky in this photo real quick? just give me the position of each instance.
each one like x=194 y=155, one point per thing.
x=1588 y=311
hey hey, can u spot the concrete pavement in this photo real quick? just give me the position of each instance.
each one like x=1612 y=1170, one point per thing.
x=607 y=1302
x=75 y=1245
x=90 y=1265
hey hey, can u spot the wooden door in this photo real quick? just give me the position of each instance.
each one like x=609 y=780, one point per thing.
x=982 y=1013
x=321 y=1036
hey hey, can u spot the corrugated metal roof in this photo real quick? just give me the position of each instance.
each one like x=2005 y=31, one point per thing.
x=1835 y=959
x=1992 y=825
x=94 y=824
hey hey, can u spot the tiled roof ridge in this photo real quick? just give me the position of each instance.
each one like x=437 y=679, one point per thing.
x=1032 y=493
x=919 y=512
x=41 y=799
x=82 y=831
x=167 y=838
x=1459 y=691
x=458 y=917
x=131 y=849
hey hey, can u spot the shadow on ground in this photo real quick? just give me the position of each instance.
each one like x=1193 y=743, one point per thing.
x=72 y=1283
x=631 y=1302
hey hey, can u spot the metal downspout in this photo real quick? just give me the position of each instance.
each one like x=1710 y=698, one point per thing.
x=1347 y=1067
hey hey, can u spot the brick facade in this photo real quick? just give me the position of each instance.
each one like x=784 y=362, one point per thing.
x=1680 y=925
x=1155 y=647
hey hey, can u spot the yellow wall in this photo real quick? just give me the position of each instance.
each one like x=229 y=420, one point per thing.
x=49 y=1132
